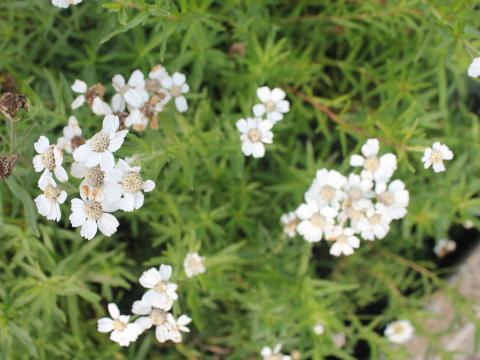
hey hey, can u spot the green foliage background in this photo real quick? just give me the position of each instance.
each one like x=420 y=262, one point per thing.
x=395 y=70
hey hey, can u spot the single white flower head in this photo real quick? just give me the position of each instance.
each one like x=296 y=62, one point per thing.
x=92 y=213
x=344 y=239
x=120 y=330
x=339 y=340
x=435 y=156
x=374 y=167
x=274 y=354
x=48 y=203
x=100 y=148
x=178 y=326
x=93 y=96
x=315 y=222
x=194 y=265
x=273 y=104
x=49 y=160
x=376 y=225
x=444 y=246
x=289 y=222
x=152 y=316
x=65 y=3
x=319 y=328
x=72 y=136
x=162 y=293
x=139 y=117
x=359 y=192
x=474 y=68
x=126 y=184
x=392 y=199
x=399 y=332
x=132 y=93
x=177 y=86
x=254 y=133
x=326 y=189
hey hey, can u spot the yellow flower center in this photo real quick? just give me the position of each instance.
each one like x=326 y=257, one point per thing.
x=254 y=135
x=95 y=176
x=48 y=158
x=93 y=209
x=132 y=182
x=100 y=142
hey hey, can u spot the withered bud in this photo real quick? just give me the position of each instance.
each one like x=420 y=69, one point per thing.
x=97 y=90
x=11 y=104
x=8 y=83
x=237 y=49
x=152 y=85
x=77 y=141
x=7 y=163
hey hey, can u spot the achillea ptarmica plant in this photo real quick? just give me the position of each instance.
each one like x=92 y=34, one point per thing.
x=11 y=104
x=7 y=163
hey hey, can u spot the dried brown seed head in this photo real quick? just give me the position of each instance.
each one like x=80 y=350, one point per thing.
x=237 y=49
x=97 y=90
x=11 y=104
x=7 y=163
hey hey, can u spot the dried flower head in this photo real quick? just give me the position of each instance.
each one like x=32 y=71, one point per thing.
x=7 y=163
x=237 y=49
x=12 y=103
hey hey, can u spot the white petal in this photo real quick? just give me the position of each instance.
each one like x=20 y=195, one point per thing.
x=104 y=325
x=259 y=110
x=107 y=161
x=108 y=224
x=78 y=101
x=89 y=229
x=148 y=186
x=41 y=145
x=110 y=124
x=474 y=68
x=139 y=199
x=277 y=94
x=263 y=93
x=79 y=86
x=137 y=79
x=82 y=153
x=60 y=173
x=181 y=103
x=114 y=311
x=127 y=203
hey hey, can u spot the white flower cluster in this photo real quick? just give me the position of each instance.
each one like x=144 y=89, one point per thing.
x=274 y=354
x=138 y=101
x=107 y=185
x=153 y=310
x=65 y=3
x=256 y=132
x=341 y=209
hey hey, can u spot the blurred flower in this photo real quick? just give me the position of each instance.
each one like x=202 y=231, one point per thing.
x=399 y=332
x=289 y=222
x=444 y=247
x=318 y=328
x=161 y=293
x=237 y=49
x=65 y=3
x=48 y=160
x=376 y=225
x=7 y=163
x=98 y=150
x=194 y=264
x=344 y=241
x=177 y=326
x=392 y=199
x=474 y=68
x=468 y=224
x=435 y=156
x=120 y=330
x=91 y=212
x=72 y=136
x=48 y=203
x=374 y=167
x=254 y=134
x=156 y=75
x=274 y=354
x=177 y=86
x=152 y=316
x=132 y=93
x=272 y=104
x=93 y=96
x=126 y=185
x=339 y=340
x=11 y=104
x=314 y=221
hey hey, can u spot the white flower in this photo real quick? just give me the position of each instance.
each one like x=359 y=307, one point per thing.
x=98 y=150
x=435 y=155
x=177 y=86
x=345 y=241
x=177 y=326
x=326 y=189
x=273 y=104
x=93 y=96
x=289 y=222
x=132 y=93
x=65 y=3
x=392 y=199
x=374 y=168
x=254 y=134
x=49 y=160
x=126 y=184
x=375 y=225
x=72 y=136
x=444 y=247
x=314 y=221
x=139 y=117
x=359 y=191
x=339 y=340
x=158 y=73
x=399 y=332
x=194 y=265
x=120 y=330
x=152 y=316
x=474 y=68
x=48 y=203
x=319 y=328
x=91 y=212
x=274 y=354
x=161 y=293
